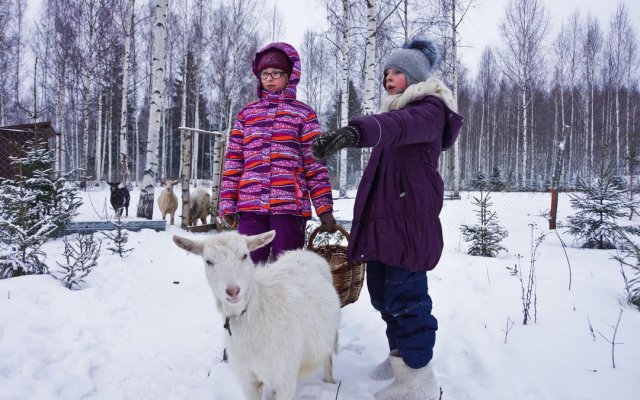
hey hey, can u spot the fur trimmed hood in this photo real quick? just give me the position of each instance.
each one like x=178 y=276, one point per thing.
x=420 y=90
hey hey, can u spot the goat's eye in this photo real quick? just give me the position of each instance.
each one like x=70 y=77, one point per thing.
x=209 y=263
x=244 y=257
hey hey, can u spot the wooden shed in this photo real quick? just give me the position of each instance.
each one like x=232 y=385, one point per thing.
x=14 y=137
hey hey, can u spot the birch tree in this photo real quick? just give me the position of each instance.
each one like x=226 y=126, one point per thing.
x=370 y=60
x=615 y=54
x=524 y=28
x=145 y=208
x=344 y=90
x=455 y=11
x=591 y=59
x=487 y=75
x=316 y=68
x=124 y=118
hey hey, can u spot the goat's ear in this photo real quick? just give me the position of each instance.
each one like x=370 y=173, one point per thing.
x=191 y=246
x=257 y=241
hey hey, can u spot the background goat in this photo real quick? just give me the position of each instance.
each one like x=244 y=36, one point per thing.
x=168 y=201
x=119 y=198
x=199 y=206
x=282 y=319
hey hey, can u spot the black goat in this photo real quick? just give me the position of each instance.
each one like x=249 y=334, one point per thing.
x=119 y=198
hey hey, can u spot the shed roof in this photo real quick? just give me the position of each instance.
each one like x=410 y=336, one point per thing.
x=42 y=127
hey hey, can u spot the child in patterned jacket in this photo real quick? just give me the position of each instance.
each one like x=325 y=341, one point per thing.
x=270 y=178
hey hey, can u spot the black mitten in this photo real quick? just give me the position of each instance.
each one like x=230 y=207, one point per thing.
x=331 y=142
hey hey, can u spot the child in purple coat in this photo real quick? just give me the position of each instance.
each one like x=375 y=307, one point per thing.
x=396 y=227
x=270 y=180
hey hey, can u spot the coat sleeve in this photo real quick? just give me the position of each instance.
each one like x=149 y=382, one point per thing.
x=315 y=172
x=233 y=168
x=420 y=122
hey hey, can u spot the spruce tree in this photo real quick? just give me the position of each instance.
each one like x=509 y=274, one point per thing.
x=485 y=236
x=80 y=257
x=497 y=183
x=34 y=207
x=119 y=237
x=598 y=209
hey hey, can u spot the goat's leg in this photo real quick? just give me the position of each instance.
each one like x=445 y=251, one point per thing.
x=286 y=390
x=251 y=386
x=328 y=369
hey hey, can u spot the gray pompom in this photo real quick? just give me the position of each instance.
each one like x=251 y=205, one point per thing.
x=427 y=47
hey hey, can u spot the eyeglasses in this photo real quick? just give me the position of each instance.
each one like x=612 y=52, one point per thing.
x=264 y=75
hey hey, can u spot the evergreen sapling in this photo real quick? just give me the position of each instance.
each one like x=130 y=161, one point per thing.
x=81 y=257
x=119 y=237
x=595 y=222
x=484 y=238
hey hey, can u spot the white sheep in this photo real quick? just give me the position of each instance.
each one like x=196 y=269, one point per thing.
x=199 y=205
x=168 y=201
x=282 y=318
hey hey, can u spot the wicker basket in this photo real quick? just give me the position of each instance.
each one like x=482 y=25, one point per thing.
x=348 y=277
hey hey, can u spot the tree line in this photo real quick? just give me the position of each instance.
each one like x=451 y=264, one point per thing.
x=118 y=77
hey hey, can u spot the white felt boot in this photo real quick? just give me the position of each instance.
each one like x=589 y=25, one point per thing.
x=410 y=384
x=383 y=370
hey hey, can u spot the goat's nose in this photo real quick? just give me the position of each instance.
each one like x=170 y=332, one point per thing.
x=232 y=291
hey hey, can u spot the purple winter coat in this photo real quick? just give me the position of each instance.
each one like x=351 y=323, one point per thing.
x=396 y=212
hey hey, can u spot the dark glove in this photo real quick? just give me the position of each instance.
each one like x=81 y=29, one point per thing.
x=328 y=223
x=231 y=219
x=331 y=142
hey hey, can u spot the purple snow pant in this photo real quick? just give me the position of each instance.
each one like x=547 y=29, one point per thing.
x=289 y=229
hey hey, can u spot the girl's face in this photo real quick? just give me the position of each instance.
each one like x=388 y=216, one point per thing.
x=273 y=79
x=394 y=81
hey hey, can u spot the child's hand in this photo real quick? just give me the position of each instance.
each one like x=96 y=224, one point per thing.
x=331 y=142
x=231 y=220
x=328 y=223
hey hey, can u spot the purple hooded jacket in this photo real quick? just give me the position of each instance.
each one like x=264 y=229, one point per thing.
x=396 y=212
x=268 y=166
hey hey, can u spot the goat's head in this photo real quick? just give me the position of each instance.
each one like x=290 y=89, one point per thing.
x=114 y=186
x=169 y=184
x=228 y=266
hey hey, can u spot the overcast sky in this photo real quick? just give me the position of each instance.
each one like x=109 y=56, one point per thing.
x=479 y=28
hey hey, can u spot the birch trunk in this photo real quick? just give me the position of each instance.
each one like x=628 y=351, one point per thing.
x=454 y=64
x=145 y=205
x=344 y=115
x=62 y=137
x=186 y=173
x=617 y=115
x=523 y=93
x=370 y=70
x=98 y=148
x=370 y=61
x=183 y=109
x=124 y=153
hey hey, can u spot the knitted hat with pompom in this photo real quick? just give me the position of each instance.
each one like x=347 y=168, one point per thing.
x=416 y=59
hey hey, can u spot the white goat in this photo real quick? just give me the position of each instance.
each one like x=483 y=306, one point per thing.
x=168 y=201
x=199 y=205
x=282 y=319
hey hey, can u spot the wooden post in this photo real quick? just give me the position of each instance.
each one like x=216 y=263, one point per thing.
x=555 y=179
x=554 y=208
x=185 y=177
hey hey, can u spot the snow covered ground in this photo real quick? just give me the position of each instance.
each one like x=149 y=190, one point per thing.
x=145 y=326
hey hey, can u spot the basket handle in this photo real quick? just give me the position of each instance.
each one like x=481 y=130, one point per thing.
x=317 y=230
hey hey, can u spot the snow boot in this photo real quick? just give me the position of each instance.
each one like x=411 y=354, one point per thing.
x=410 y=384
x=383 y=370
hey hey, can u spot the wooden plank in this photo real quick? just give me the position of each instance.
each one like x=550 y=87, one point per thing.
x=202 y=228
x=87 y=227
